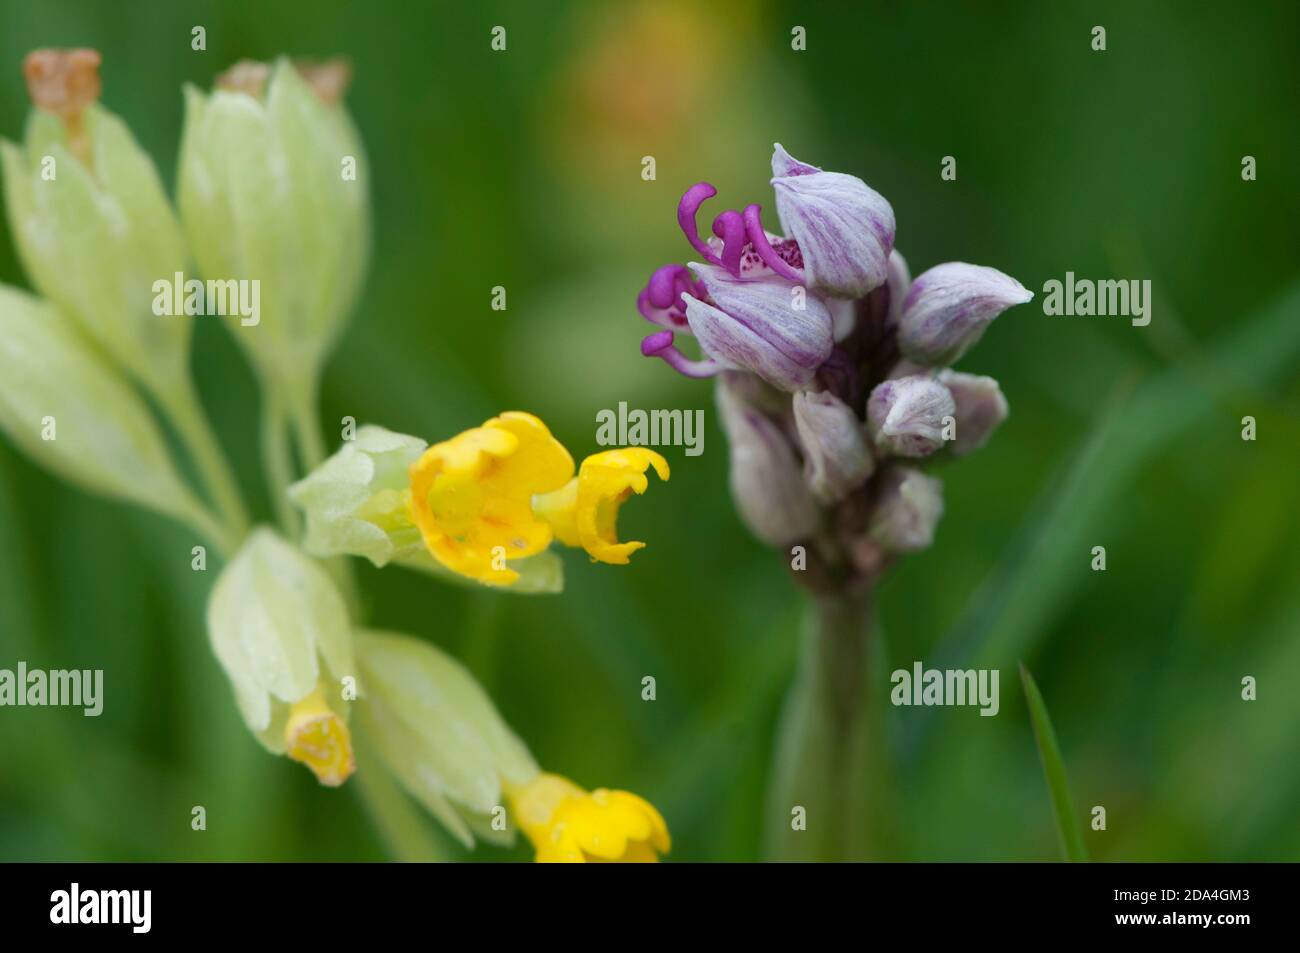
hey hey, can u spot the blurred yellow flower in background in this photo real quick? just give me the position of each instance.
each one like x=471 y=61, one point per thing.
x=569 y=825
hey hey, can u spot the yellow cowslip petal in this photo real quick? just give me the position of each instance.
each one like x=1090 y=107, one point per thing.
x=316 y=736
x=560 y=850
x=605 y=481
x=534 y=804
x=604 y=827
x=471 y=496
x=659 y=838
x=567 y=824
x=540 y=463
x=558 y=508
x=638 y=853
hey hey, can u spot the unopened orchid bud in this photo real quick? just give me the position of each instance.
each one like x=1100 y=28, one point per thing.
x=770 y=326
x=836 y=458
x=907 y=510
x=899 y=282
x=980 y=409
x=273 y=187
x=948 y=308
x=766 y=480
x=906 y=416
x=845 y=229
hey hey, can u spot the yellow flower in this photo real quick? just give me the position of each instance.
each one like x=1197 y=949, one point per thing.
x=569 y=825
x=471 y=496
x=584 y=512
x=317 y=737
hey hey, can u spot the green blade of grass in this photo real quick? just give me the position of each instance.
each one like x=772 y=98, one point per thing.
x=1067 y=821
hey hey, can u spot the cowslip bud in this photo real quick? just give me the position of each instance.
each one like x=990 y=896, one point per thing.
x=273 y=188
x=438 y=732
x=91 y=222
x=357 y=502
x=280 y=630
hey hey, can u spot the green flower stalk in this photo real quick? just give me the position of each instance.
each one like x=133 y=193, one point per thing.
x=94 y=230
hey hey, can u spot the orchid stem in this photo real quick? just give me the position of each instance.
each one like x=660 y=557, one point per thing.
x=825 y=796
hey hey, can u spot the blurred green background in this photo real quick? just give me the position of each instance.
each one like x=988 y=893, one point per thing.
x=523 y=169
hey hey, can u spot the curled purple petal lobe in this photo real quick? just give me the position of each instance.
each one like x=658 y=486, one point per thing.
x=762 y=247
x=660 y=344
x=691 y=201
x=660 y=301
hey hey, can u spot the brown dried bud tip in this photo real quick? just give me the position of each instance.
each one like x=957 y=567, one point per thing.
x=246 y=76
x=63 y=82
x=328 y=78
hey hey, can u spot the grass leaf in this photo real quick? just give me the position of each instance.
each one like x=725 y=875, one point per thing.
x=1067 y=821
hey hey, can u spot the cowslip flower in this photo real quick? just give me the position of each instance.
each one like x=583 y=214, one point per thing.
x=567 y=824
x=273 y=187
x=471 y=496
x=280 y=630
x=484 y=505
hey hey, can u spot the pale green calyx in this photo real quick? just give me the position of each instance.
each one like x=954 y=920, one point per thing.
x=356 y=501
x=280 y=630
x=438 y=732
x=63 y=404
x=95 y=231
x=273 y=187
